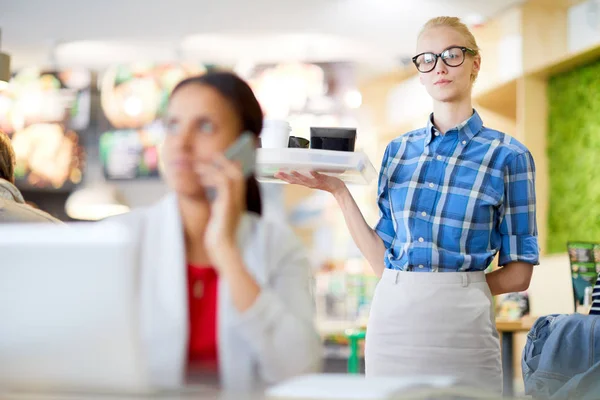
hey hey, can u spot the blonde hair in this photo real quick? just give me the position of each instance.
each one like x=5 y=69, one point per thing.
x=456 y=24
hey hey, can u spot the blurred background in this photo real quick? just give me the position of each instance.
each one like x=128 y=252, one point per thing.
x=88 y=81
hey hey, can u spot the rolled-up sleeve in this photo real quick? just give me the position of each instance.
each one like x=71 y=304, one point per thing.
x=385 y=225
x=518 y=226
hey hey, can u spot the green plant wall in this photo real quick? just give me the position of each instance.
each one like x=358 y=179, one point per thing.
x=574 y=157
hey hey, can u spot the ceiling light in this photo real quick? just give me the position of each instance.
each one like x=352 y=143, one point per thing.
x=133 y=106
x=353 y=98
x=265 y=48
x=100 y=54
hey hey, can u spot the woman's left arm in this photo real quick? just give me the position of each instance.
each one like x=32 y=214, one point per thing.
x=513 y=277
x=244 y=289
x=279 y=324
x=519 y=250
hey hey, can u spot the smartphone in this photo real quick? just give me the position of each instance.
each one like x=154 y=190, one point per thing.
x=242 y=151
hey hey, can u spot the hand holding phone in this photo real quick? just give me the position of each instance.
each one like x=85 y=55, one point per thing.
x=227 y=196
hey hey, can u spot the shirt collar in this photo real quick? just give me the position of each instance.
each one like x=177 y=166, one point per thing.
x=466 y=129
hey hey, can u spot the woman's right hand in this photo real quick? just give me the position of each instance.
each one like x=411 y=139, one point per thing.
x=318 y=181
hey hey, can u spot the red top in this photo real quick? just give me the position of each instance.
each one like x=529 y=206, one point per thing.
x=202 y=300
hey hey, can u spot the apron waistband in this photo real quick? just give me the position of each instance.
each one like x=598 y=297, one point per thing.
x=444 y=278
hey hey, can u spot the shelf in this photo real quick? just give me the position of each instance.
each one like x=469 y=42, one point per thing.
x=568 y=62
x=351 y=167
x=501 y=99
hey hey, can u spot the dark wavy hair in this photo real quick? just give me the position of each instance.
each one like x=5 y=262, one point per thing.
x=7 y=158
x=241 y=97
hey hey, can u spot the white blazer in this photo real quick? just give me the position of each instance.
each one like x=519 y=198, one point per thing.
x=273 y=340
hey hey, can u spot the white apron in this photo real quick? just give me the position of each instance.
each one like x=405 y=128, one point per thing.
x=432 y=323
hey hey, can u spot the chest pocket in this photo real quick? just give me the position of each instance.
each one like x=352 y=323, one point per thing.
x=401 y=175
x=485 y=194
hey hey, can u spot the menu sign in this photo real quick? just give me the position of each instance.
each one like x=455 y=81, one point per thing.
x=134 y=98
x=131 y=153
x=585 y=266
x=42 y=112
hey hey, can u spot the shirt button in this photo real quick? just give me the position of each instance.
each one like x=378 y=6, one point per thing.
x=436 y=133
x=421 y=240
x=464 y=142
x=439 y=158
x=421 y=266
x=424 y=214
x=431 y=185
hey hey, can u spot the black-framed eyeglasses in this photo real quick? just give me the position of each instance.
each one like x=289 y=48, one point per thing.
x=453 y=57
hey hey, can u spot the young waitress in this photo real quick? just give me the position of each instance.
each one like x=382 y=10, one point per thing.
x=451 y=195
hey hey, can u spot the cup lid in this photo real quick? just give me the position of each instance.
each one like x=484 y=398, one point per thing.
x=276 y=124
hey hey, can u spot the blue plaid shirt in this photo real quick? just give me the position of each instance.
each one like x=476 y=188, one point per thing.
x=452 y=202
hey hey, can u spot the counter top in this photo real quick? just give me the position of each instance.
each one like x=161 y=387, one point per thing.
x=521 y=325
x=341 y=327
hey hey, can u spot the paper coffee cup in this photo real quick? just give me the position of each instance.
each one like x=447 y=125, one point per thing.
x=275 y=134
